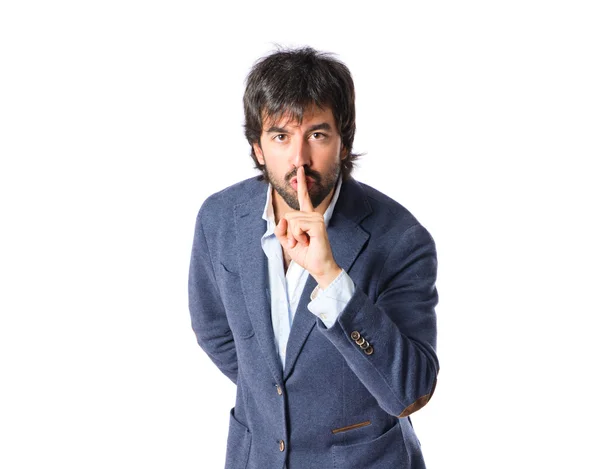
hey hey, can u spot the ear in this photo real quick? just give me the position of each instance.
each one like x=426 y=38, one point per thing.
x=258 y=152
x=343 y=153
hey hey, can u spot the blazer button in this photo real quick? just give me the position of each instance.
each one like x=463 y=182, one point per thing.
x=281 y=445
x=369 y=350
x=365 y=345
x=360 y=341
x=355 y=335
x=279 y=391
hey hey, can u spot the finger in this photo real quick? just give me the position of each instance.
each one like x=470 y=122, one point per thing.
x=291 y=233
x=281 y=229
x=298 y=230
x=311 y=223
x=291 y=240
x=304 y=217
x=303 y=196
x=282 y=235
x=299 y=234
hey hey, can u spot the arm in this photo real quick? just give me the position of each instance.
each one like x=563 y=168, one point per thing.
x=400 y=369
x=397 y=330
x=209 y=321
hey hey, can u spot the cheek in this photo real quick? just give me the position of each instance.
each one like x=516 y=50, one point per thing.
x=334 y=156
x=277 y=171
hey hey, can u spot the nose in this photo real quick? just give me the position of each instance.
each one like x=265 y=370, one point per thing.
x=301 y=153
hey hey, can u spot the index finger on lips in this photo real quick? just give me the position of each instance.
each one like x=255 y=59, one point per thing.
x=303 y=196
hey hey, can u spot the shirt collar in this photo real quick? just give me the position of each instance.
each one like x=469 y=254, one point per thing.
x=269 y=213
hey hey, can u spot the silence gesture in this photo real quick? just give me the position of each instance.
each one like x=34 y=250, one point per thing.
x=303 y=236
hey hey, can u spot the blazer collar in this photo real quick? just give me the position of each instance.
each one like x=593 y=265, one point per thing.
x=249 y=228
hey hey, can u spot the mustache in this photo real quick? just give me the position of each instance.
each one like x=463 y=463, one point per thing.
x=309 y=173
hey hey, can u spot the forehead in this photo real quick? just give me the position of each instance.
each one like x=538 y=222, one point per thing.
x=296 y=118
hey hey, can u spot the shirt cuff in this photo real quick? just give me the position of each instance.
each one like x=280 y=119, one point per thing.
x=328 y=304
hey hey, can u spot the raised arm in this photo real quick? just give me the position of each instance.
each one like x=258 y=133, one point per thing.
x=390 y=343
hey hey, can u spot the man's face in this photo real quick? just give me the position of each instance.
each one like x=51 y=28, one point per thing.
x=285 y=145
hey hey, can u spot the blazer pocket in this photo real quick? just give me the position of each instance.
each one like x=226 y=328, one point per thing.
x=228 y=269
x=387 y=450
x=351 y=427
x=238 y=444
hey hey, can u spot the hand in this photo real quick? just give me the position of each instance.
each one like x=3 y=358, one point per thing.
x=303 y=236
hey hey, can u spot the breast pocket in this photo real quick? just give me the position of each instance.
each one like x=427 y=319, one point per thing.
x=234 y=303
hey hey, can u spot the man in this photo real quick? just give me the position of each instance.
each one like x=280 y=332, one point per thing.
x=312 y=292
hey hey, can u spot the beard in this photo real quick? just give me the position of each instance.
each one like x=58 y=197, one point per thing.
x=322 y=185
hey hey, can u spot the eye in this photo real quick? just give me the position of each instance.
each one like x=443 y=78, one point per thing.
x=318 y=136
x=280 y=137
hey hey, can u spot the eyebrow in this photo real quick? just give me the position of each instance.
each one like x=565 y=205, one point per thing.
x=312 y=128
x=321 y=126
x=279 y=130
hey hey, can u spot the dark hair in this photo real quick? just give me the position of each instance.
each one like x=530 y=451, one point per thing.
x=293 y=80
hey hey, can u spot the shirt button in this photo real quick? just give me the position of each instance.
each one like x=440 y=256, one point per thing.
x=281 y=445
x=323 y=316
x=279 y=391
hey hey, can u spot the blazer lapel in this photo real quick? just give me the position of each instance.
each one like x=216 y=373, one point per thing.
x=249 y=228
x=347 y=239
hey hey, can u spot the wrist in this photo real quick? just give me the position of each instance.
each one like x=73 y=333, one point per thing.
x=325 y=279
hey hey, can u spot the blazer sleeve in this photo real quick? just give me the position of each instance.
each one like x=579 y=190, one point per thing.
x=209 y=320
x=390 y=343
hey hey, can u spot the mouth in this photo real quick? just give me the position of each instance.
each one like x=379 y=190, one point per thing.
x=309 y=183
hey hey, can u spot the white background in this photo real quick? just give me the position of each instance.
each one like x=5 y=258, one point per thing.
x=118 y=118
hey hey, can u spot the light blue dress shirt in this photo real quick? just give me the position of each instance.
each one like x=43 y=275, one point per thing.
x=285 y=288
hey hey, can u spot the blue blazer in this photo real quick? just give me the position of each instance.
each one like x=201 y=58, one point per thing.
x=344 y=397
